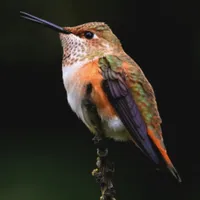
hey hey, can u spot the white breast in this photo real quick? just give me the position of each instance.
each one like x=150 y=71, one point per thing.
x=69 y=71
x=72 y=86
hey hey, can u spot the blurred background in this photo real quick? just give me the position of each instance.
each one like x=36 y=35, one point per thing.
x=46 y=153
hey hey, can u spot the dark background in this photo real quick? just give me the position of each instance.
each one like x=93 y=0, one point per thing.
x=45 y=151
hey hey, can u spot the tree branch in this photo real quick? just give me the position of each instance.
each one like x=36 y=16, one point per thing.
x=104 y=171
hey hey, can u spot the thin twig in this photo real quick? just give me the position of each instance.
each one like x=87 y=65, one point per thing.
x=104 y=171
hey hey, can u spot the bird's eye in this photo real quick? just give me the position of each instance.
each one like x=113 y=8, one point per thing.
x=89 y=35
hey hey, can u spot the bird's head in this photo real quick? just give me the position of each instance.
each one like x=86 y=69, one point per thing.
x=87 y=41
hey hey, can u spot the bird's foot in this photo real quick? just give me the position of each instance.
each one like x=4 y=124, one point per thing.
x=102 y=152
x=96 y=139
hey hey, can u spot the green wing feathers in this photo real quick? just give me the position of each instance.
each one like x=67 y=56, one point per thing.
x=144 y=98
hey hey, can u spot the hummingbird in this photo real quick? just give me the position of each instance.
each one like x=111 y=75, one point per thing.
x=108 y=90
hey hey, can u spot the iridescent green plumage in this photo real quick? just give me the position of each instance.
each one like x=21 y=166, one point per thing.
x=140 y=88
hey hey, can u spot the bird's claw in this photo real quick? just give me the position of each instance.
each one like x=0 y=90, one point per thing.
x=96 y=139
x=102 y=153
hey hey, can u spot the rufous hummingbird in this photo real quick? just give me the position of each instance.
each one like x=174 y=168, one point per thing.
x=107 y=89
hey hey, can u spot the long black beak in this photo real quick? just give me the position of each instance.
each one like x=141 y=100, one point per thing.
x=43 y=22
